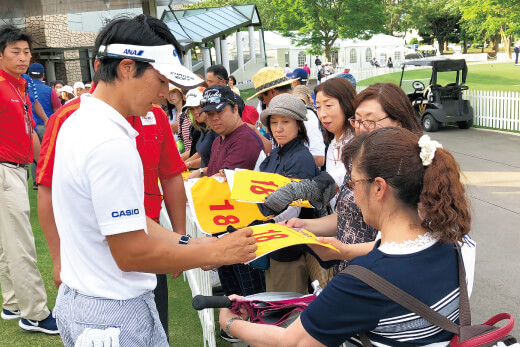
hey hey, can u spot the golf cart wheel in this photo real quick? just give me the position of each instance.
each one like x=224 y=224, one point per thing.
x=429 y=123
x=465 y=124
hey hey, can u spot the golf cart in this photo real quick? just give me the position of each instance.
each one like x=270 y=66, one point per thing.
x=436 y=104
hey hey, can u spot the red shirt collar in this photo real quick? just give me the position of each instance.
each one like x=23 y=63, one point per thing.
x=18 y=83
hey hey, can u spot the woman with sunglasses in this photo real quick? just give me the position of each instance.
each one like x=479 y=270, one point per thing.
x=284 y=119
x=380 y=105
x=399 y=182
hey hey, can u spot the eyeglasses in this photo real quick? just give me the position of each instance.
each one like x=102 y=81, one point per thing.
x=368 y=124
x=215 y=100
x=352 y=184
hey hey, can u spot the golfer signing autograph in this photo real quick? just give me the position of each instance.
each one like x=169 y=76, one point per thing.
x=109 y=248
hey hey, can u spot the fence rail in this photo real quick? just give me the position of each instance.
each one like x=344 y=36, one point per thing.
x=495 y=109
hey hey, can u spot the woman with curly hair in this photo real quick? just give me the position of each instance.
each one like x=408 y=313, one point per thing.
x=410 y=190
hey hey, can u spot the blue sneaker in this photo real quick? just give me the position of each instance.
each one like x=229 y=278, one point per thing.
x=8 y=315
x=47 y=326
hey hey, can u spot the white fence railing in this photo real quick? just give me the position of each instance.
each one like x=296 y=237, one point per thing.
x=495 y=109
x=492 y=109
x=199 y=281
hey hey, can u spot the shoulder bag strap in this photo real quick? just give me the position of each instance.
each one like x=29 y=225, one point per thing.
x=464 y=308
x=401 y=297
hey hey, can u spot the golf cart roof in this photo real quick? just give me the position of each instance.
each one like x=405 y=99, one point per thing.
x=442 y=65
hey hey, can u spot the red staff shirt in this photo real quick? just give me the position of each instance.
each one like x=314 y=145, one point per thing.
x=16 y=126
x=155 y=143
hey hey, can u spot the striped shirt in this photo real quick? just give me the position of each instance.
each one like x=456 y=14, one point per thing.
x=348 y=306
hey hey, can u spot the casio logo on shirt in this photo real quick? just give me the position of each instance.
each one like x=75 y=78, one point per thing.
x=117 y=214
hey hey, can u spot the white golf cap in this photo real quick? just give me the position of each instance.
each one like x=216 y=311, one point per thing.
x=78 y=85
x=67 y=89
x=193 y=98
x=164 y=59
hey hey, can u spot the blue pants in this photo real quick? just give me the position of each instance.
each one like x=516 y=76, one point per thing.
x=136 y=318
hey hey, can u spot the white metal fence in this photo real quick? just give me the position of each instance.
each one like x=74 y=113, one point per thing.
x=199 y=281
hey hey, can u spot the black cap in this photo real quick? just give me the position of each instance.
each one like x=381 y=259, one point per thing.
x=216 y=97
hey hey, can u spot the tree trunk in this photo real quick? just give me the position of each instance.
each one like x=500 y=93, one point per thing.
x=327 y=52
x=506 y=40
x=495 y=39
x=465 y=49
x=441 y=44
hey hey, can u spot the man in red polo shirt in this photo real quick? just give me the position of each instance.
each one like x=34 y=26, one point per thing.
x=23 y=292
x=161 y=161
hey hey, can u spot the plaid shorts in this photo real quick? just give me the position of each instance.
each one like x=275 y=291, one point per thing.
x=136 y=318
x=241 y=279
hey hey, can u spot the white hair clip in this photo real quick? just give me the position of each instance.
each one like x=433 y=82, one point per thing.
x=428 y=148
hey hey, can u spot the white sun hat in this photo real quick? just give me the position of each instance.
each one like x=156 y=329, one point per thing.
x=164 y=59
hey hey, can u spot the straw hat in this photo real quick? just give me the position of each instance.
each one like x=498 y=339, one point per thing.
x=269 y=78
x=303 y=93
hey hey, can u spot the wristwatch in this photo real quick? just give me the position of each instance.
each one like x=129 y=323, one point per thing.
x=201 y=170
x=228 y=325
x=184 y=239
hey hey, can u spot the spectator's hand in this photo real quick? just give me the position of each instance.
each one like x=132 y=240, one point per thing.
x=175 y=127
x=194 y=174
x=237 y=247
x=325 y=253
x=226 y=314
x=296 y=223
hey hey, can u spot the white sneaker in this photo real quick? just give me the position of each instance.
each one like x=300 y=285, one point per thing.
x=8 y=315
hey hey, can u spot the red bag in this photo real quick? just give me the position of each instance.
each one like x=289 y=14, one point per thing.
x=271 y=312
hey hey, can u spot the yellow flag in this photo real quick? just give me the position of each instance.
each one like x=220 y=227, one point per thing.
x=270 y=237
x=215 y=210
x=185 y=174
x=254 y=186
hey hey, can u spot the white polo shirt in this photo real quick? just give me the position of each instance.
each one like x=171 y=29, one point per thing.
x=98 y=190
x=312 y=125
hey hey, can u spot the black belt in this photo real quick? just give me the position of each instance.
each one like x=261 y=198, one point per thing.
x=14 y=164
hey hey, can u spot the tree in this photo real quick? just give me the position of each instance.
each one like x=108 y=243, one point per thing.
x=436 y=19
x=319 y=23
x=396 y=15
x=493 y=19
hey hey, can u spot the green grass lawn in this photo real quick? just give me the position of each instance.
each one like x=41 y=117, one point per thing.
x=503 y=76
x=185 y=329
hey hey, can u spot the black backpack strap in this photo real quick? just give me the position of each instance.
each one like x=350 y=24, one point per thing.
x=401 y=297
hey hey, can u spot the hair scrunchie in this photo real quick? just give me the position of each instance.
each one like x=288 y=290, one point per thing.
x=428 y=148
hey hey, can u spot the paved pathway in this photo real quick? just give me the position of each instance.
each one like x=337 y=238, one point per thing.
x=491 y=164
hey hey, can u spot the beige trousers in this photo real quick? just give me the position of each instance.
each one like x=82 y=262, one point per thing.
x=289 y=276
x=20 y=279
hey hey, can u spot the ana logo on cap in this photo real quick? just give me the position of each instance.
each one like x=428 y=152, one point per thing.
x=133 y=52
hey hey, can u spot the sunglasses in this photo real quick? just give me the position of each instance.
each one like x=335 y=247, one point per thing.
x=215 y=100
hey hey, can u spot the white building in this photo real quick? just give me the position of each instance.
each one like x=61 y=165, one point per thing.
x=358 y=53
x=354 y=52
